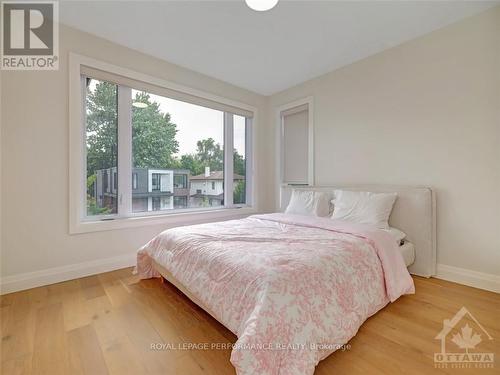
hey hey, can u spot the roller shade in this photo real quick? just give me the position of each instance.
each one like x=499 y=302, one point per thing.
x=295 y=134
x=162 y=91
x=294 y=110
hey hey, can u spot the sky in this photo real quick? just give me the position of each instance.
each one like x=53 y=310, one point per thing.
x=196 y=122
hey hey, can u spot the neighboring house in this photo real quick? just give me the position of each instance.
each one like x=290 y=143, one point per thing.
x=152 y=189
x=207 y=189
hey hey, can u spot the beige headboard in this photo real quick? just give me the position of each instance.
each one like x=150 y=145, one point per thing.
x=414 y=213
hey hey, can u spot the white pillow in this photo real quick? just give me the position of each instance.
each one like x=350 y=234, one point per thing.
x=309 y=202
x=398 y=235
x=364 y=207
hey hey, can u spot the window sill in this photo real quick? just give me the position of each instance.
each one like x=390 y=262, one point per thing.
x=170 y=220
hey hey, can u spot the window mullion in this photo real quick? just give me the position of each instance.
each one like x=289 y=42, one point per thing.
x=83 y=202
x=228 y=159
x=124 y=151
x=249 y=161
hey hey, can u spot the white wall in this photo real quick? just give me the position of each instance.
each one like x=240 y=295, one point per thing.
x=426 y=112
x=34 y=115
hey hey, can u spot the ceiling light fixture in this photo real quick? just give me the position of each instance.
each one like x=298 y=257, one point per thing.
x=261 y=5
x=140 y=105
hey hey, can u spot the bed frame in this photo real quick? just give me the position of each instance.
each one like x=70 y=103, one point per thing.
x=414 y=213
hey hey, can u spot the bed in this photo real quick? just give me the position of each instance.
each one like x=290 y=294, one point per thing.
x=294 y=289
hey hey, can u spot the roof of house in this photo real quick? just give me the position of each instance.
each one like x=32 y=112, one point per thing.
x=215 y=175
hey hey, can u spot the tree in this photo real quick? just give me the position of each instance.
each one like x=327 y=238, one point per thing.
x=153 y=139
x=239 y=166
x=210 y=154
x=102 y=127
x=239 y=163
x=153 y=135
x=192 y=163
x=239 y=194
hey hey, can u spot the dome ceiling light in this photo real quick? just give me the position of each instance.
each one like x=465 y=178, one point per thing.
x=261 y=5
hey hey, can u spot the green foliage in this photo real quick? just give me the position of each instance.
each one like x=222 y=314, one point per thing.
x=92 y=207
x=102 y=127
x=210 y=154
x=192 y=163
x=239 y=164
x=90 y=183
x=239 y=194
x=153 y=135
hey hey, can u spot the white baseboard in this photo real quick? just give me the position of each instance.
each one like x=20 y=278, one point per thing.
x=468 y=277
x=54 y=275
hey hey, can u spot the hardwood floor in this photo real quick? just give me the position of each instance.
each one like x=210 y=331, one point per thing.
x=106 y=324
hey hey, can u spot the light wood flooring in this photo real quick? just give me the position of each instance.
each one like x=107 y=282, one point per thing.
x=105 y=324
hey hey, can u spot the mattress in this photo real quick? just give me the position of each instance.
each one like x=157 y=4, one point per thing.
x=408 y=251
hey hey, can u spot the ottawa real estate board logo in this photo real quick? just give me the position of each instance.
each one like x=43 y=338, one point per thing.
x=30 y=35
x=462 y=338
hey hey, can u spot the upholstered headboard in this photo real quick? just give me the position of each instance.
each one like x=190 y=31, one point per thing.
x=414 y=213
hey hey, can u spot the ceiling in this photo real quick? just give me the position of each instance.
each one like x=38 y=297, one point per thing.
x=264 y=52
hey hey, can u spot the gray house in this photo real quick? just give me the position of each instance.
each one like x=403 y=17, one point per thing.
x=152 y=189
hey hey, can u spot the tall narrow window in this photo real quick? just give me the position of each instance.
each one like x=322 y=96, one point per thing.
x=155 y=182
x=101 y=121
x=135 y=180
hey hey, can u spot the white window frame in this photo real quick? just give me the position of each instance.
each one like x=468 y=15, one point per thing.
x=78 y=221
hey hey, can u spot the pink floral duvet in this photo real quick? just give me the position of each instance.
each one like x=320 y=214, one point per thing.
x=292 y=288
